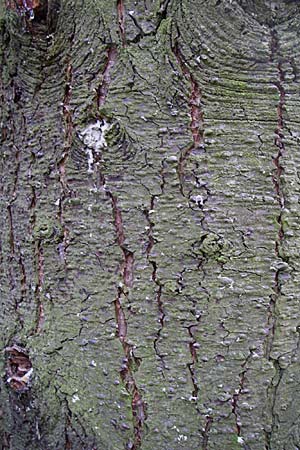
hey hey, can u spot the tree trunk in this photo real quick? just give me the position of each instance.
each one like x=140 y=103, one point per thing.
x=150 y=225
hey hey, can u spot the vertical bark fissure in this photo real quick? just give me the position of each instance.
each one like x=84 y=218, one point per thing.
x=238 y=392
x=151 y=225
x=196 y=112
x=159 y=291
x=130 y=361
x=106 y=75
x=191 y=366
x=121 y=20
x=205 y=433
x=161 y=317
x=277 y=181
x=197 y=131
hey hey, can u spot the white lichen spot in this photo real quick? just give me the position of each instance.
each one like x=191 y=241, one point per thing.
x=93 y=137
x=182 y=437
x=75 y=398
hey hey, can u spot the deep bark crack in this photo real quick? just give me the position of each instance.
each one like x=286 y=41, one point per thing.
x=130 y=361
x=278 y=186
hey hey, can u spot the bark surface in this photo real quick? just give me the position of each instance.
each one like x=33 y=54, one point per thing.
x=150 y=233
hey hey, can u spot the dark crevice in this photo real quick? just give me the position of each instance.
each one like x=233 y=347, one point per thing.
x=37 y=15
x=193 y=345
x=130 y=361
x=272 y=394
x=151 y=224
x=205 y=432
x=277 y=174
x=275 y=57
x=161 y=15
x=161 y=318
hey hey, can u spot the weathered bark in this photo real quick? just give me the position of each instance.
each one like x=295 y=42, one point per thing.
x=150 y=225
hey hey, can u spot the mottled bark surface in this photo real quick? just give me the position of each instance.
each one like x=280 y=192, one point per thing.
x=150 y=230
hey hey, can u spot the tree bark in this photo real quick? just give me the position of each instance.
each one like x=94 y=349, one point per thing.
x=150 y=225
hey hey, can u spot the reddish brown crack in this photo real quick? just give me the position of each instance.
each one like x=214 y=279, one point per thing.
x=191 y=366
x=18 y=369
x=137 y=404
x=130 y=361
x=161 y=312
x=159 y=301
x=151 y=241
x=161 y=319
x=236 y=396
x=121 y=320
x=128 y=260
x=106 y=76
x=121 y=20
x=196 y=113
x=235 y=399
x=205 y=433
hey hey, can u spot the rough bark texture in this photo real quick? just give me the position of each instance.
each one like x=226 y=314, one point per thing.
x=150 y=225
